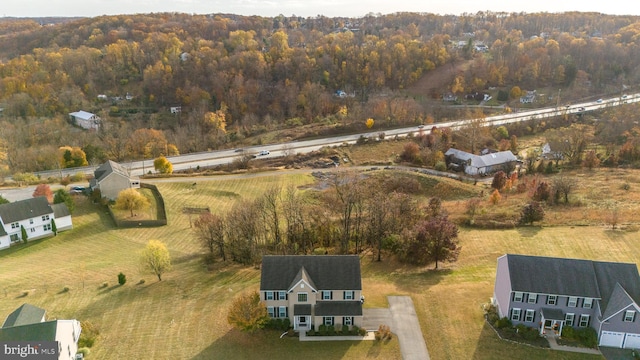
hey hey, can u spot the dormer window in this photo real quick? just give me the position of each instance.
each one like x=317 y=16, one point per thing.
x=629 y=316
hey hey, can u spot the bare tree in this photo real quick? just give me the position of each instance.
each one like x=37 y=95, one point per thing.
x=210 y=230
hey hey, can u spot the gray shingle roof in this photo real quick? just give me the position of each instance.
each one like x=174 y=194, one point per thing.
x=328 y=272
x=44 y=331
x=552 y=314
x=108 y=168
x=302 y=309
x=25 y=314
x=615 y=284
x=545 y=275
x=302 y=275
x=60 y=210
x=24 y=209
x=608 y=274
x=338 y=308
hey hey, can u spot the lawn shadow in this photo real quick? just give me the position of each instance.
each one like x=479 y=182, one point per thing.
x=267 y=344
x=614 y=234
x=529 y=231
x=422 y=280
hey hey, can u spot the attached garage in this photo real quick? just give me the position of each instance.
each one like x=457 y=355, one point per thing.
x=612 y=339
x=632 y=341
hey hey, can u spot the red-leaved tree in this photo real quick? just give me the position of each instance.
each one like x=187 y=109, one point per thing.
x=44 y=190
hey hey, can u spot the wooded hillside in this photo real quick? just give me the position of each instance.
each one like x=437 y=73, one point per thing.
x=236 y=76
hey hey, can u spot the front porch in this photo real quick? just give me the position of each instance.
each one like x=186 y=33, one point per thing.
x=551 y=322
x=302 y=317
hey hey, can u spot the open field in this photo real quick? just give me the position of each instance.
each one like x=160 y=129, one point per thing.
x=184 y=316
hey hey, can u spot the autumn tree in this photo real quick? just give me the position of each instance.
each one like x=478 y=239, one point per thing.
x=590 y=160
x=532 y=212
x=562 y=187
x=499 y=180
x=131 y=199
x=210 y=229
x=495 y=197
x=43 y=190
x=63 y=196
x=247 y=312
x=570 y=141
x=163 y=165
x=71 y=157
x=155 y=258
x=369 y=123
x=433 y=240
x=410 y=152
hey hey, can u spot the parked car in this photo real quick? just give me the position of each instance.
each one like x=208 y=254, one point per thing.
x=599 y=101
x=263 y=152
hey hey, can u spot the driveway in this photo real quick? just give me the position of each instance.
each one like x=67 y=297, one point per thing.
x=403 y=321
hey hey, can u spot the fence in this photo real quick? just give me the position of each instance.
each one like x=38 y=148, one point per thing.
x=161 y=215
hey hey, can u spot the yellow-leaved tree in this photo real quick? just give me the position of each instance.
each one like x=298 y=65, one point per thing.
x=369 y=123
x=155 y=258
x=131 y=199
x=162 y=165
x=247 y=312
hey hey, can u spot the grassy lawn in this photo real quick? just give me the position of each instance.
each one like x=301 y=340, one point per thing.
x=184 y=316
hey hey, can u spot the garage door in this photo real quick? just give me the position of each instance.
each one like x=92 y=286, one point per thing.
x=611 y=339
x=632 y=341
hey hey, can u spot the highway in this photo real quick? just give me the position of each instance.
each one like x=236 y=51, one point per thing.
x=212 y=158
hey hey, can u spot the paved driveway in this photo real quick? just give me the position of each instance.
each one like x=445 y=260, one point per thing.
x=403 y=321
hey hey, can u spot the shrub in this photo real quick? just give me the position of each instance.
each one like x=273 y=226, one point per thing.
x=587 y=337
x=383 y=333
x=88 y=335
x=527 y=333
x=322 y=330
x=141 y=282
x=65 y=289
x=345 y=330
x=65 y=180
x=441 y=166
x=122 y=279
x=84 y=351
x=311 y=332
x=331 y=330
x=105 y=284
x=286 y=324
x=503 y=323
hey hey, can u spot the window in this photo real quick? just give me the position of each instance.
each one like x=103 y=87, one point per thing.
x=569 y=319
x=584 y=320
x=572 y=302
x=302 y=297
x=347 y=321
x=518 y=296
x=45 y=217
x=271 y=311
x=268 y=295
x=327 y=320
x=552 y=299
x=282 y=295
x=15 y=225
x=533 y=298
x=587 y=303
x=327 y=295
x=32 y=229
x=14 y=237
x=629 y=316
x=348 y=295
x=31 y=221
x=47 y=227
x=530 y=315
x=282 y=311
x=515 y=314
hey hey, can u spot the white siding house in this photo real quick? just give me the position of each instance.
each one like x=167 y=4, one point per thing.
x=35 y=215
x=85 y=120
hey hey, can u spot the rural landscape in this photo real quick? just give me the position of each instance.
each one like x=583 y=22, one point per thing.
x=425 y=221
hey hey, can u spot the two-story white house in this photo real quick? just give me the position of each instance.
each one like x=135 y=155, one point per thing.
x=313 y=290
x=85 y=120
x=28 y=323
x=36 y=216
x=550 y=294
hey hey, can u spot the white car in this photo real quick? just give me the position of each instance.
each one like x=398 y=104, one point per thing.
x=599 y=101
x=263 y=152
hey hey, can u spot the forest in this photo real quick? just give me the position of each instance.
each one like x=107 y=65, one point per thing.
x=235 y=78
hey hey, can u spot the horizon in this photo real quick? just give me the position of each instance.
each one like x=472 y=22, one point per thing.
x=310 y=8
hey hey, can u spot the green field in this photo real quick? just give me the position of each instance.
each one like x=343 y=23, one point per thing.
x=184 y=316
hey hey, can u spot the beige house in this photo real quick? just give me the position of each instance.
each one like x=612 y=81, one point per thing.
x=313 y=290
x=111 y=178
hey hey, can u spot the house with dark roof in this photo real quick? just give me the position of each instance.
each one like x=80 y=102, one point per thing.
x=552 y=293
x=486 y=164
x=85 y=120
x=28 y=323
x=111 y=178
x=313 y=290
x=36 y=216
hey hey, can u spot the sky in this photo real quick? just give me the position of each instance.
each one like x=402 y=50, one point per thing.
x=306 y=8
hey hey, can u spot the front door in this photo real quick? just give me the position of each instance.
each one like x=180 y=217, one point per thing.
x=302 y=323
